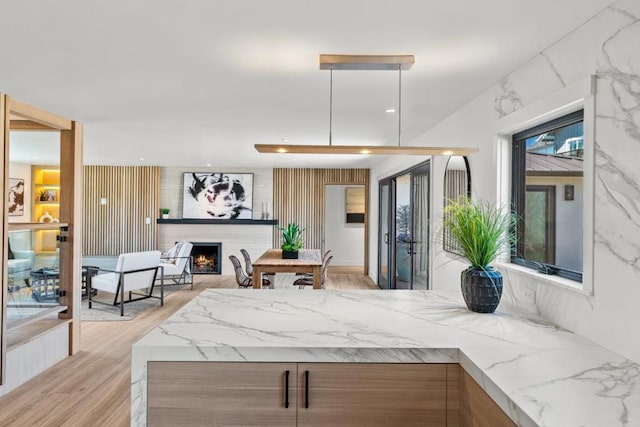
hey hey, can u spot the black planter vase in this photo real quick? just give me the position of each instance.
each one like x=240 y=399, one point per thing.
x=289 y=254
x=481 y=289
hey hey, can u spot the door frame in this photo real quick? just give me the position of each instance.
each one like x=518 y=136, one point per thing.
x=365 y=266
x=420 y=169
x=390 y=180
x=391 y=269
x=19 y=116
x=351 y=183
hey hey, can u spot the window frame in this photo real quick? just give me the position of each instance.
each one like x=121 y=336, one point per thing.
x=518 y=194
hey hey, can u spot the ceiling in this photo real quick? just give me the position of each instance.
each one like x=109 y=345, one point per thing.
x=199 y=82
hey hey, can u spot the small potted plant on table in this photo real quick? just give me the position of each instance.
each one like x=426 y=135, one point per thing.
x=291 y=241
x=481 y=231
x=165 y=213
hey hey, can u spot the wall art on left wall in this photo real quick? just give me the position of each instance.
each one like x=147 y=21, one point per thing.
x=16 y=197
x=217 y=195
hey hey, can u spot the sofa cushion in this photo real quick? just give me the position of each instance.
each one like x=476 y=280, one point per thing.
x=15 y=265
x=105 y=282
x=171 y=269
x=169 y=257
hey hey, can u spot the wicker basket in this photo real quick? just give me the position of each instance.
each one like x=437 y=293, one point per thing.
x=45 y=284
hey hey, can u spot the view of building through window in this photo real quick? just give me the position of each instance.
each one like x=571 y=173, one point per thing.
x=548 y=196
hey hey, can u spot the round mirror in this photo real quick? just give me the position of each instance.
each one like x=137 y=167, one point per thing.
x=457 y=182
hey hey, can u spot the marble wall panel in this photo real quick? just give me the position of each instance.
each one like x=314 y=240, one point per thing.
x=607 y=45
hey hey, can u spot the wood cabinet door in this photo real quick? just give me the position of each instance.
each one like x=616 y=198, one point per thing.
x=478 y=409
x=372 y=394
x=221 y=394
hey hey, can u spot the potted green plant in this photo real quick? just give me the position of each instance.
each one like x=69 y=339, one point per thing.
x=165 y=213
x=291 y=240
x=481 y=230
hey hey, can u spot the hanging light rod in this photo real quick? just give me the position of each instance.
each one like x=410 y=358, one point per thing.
x=364 y=149
x=366 y=62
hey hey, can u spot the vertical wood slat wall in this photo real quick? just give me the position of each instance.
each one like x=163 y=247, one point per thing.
x=299 y=196
x=132 y=194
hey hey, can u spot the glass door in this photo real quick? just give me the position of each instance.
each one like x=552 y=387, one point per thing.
x=403 y=239
x=384 y=233
x=420 y=231
x=403 y=232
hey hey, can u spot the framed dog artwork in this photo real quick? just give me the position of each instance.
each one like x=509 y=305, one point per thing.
x=217 y=195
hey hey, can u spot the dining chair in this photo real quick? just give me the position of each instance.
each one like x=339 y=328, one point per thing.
x=308 y=281
x=249 y=266
x=247 y=262
x=310 y=275
x=242 y=279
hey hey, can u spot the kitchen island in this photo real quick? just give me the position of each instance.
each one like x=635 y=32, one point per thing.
x=535 y=372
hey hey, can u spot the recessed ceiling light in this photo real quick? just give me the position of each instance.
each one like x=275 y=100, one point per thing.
x=447 y=153
x=365 y=151
x=208 y=164
x=141 y=158
x=285 y=140
x=35 y=157
x=281 y=150
x=390 y=110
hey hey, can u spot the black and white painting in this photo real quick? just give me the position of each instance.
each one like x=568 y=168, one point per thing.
x=218 y=195
x=16 y=197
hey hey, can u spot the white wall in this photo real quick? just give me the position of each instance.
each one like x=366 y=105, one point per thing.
x=607 y=46
x=346 y=241
x=254 y=238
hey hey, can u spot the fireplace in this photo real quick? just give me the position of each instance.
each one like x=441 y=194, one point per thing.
x=206 y=257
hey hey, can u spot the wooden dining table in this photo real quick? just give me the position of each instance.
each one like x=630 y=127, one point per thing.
x=309 y=261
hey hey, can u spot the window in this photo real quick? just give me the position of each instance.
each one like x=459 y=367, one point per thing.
x=547 y=188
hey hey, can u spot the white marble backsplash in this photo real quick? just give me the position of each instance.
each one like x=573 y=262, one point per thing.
x=618 y=144
x=608 y=45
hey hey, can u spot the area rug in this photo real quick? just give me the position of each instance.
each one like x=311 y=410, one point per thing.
x=111 y=313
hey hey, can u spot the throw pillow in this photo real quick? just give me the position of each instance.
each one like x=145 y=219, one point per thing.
x=171 y=256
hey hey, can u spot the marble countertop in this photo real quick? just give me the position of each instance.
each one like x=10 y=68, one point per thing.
x=538 y=374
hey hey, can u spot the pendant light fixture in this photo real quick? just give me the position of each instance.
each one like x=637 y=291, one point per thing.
x=365 y=62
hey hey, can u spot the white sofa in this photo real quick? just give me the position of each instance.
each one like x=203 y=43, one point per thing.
x=19 y=268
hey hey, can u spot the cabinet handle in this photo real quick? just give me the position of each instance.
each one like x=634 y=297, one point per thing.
x=306 y=389
x=286 y=389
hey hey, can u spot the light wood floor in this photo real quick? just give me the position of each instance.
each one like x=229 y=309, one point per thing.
x=338 y=269
x=92 y=388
